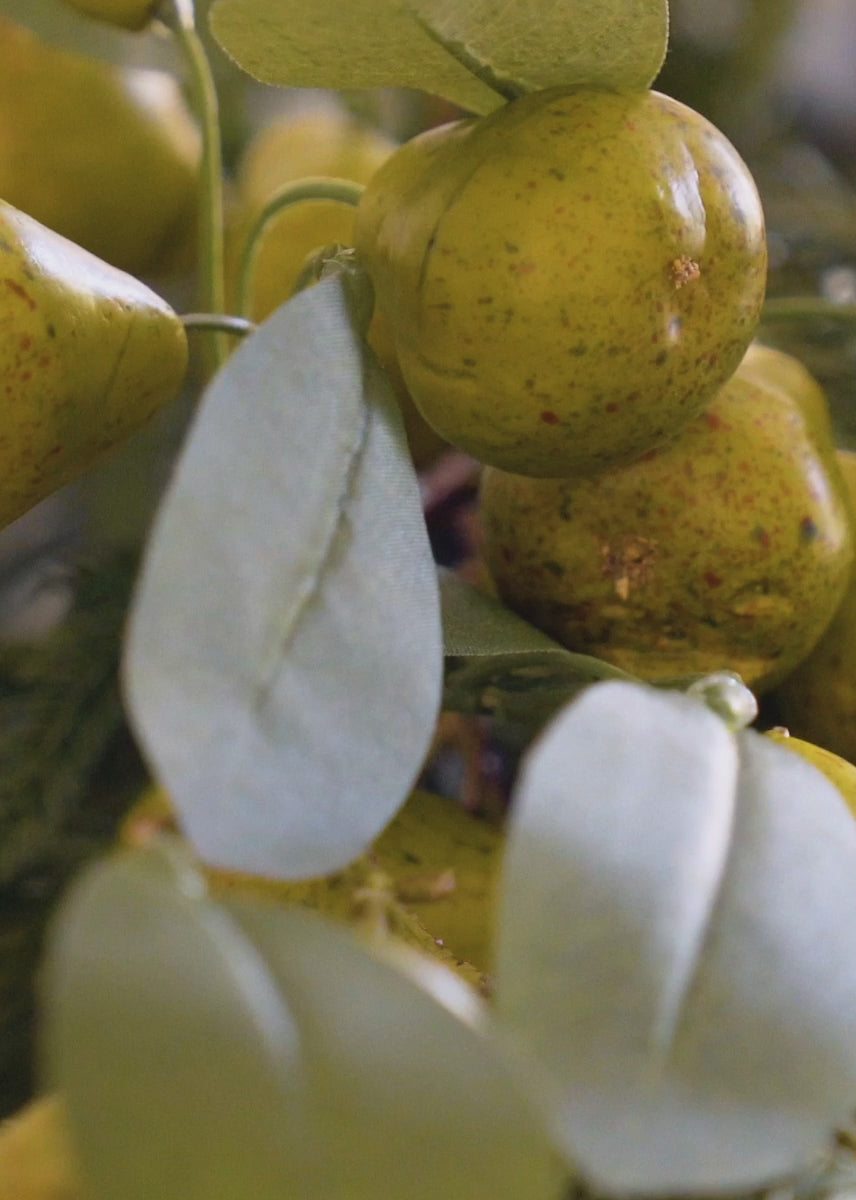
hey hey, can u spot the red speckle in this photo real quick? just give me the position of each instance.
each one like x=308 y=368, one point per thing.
x=54 y=450
x=713 y=421
x=712 y=579
x=25 y=342
x=15 y=287
x=612 y=407
x=524 y=268
x=549 y=418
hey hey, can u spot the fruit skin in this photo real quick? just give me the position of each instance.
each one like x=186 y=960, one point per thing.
x=106 y=156
x=130 y=14
x=818 y=700
x=729 y=548
x=774 y=368
x=37 y=1158
x=322 y=142
x=88 y=355
x=568 y=280
x=836 y=769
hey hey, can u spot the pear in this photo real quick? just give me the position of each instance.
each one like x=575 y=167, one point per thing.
x=88 y=355
x=105 y=155
x=315 y=142
x=818 y=700
x=568 y=280
x=728 y=548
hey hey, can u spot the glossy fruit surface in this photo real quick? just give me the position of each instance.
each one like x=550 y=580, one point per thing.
x=836 y=769
x=728 y=548
x=106 y=156
x=130 y=14
x=568 y=280
x=818 y=700
x=320 y=142
x=774 y=368
x=88 y=354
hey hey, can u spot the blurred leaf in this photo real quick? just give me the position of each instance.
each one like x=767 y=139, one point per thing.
x=168 y=1040
x=676 y=946
x=284 y=658
x=361 y=44
x=539 y=43
x=498 y=664
x=413 y=1102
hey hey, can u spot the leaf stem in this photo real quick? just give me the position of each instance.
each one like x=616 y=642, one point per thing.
x=180 y=16
x=314 y=187
x=236 y=326
x=798 y=308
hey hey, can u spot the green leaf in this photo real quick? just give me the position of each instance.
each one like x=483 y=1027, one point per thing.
x=676 y=945
x=498 y=664
x=413 y=1099
x=360 y=44
x=526 y=47
x=177 y=1060
x=284 y=660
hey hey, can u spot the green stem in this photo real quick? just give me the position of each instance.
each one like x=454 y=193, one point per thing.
x=341 y=191
x=798 y=308
x=220 y=323
x=181 y=17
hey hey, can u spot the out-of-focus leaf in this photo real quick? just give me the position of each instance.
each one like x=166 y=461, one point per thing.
x=539 y=43
x=498 y=664
x=178 y=1062
x=360 y=44
x=676 y=945
x=412 y=1099
x=284 y=660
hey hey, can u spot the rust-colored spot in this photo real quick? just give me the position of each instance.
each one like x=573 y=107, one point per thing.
x=21 y=293
x=612 y=407
x=713 y=421
x=712 y=579
x=683 y=270
x=549 y=418
x=628 y=563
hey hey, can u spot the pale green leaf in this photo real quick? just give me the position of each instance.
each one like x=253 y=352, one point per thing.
x=413 y=1099
x=359 y=44
x=499 y=664
x=676 y=945
x=177 y=1061
x=534 y=44
x=284 y=661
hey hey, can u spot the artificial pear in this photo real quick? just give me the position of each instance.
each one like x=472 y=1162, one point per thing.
x=105 y=155
x=817 y=701
x=87 y=355
x=728 y=548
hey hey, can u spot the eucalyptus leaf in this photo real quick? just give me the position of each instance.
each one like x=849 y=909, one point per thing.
x=675 y=945
x=498 y=664
x=537 y=44
x=413 y=1099
x=284 y=660
x=361 y=44
x=178 y=1062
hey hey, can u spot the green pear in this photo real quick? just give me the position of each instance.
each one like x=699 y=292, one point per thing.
x=568 y=280
x=105 y=155
x=88 y=355
x=728 y=548
x=818 y=700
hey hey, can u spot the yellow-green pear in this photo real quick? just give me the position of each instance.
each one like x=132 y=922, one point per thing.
x=130 y=14
x=729 y=548
x=88 y=354
x=817 y=701
x=105 y=155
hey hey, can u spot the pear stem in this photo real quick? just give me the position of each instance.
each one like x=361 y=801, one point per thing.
x=314 y=187
x=181 y=17
x=219 y=322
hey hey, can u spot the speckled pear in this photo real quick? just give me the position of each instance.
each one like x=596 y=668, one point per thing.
x=568 y=280
x=88 y=355
x=728 y=548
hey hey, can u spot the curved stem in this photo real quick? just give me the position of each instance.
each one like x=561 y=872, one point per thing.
x=797 y=308
x=180 y=16
x=220 y=323
x=342 y=191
